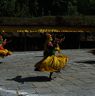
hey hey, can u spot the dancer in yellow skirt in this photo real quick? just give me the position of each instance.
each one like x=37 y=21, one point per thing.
x=51 y=62
x=3 y=52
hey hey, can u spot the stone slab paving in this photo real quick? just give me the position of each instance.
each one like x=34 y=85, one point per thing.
x=18 y=78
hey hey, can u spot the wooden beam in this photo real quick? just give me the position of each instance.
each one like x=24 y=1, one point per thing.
x=45 y=29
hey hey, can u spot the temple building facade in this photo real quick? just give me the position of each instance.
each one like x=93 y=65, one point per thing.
x=23 y=40
x=30 y=36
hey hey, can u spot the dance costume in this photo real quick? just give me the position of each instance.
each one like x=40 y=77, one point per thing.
x=3 y=52
x=51 y=62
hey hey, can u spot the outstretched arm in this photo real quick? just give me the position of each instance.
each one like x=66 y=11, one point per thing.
x=57 y=48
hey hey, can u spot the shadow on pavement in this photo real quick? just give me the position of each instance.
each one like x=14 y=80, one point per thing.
x=1 y=62
x=92 y=51
x=87 y=62
x=30 y=79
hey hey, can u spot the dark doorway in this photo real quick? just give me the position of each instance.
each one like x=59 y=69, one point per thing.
x=72 y=40
x=26 y=43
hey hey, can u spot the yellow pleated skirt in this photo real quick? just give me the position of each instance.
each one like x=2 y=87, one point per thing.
x=5 y=52
x=52 y=63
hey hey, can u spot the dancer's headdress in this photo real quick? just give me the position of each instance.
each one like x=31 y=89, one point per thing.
x=49 y=37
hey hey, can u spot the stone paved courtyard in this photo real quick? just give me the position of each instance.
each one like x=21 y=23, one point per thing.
x=18 y=78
